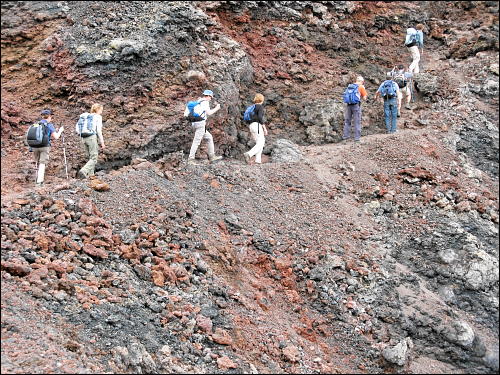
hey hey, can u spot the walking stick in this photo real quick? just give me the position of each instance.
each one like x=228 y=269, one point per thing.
x=411 y=91
x=65 y=162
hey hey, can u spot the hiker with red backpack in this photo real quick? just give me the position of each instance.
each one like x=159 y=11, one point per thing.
x=38 y=138
x=197 y=112
x=388 y=90
x=254 y=117
x=353 y=95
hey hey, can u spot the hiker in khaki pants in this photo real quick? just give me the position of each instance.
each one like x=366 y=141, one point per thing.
x=89 y=127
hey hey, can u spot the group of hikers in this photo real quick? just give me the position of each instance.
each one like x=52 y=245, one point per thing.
x=89 y=125
x=391 y=91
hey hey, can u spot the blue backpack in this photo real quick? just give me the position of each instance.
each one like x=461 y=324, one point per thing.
x=247 y=116
x=84 y=126
x=38 y=134
x=351 y=94
x=387 y=90
x=194 y=115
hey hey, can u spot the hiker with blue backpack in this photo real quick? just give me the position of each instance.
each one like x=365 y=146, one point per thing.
x=403 y=79
x=415 y=40
x=88 y=128
x=389 y=90
x=38 y=139
x=197 y=113
x=254 y=118
x=353 y=95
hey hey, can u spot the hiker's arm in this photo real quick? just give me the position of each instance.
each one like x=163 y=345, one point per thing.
x=363 y=93
x=98 y=126
x=186 y=112
x=57 y=134
x=213 y=110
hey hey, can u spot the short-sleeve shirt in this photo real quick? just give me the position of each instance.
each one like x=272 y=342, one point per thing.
x=362 y=91
x=50 y=128
x=395 y=85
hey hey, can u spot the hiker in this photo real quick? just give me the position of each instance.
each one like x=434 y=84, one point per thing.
x=353 y=95
x=254 y=117
x=41 y=153
x=197 y=113
x=402 y=78
x=388 y=90
x=414 y=41
x=88 y=128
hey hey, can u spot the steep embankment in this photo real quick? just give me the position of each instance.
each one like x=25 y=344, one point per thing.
x=331 y=257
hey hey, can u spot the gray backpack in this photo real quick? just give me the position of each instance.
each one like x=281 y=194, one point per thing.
x=84 y=126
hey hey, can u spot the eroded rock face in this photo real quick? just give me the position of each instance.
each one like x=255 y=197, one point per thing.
x=383 y=244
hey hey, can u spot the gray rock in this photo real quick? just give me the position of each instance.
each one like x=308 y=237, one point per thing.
x=286 y=151
x=459 y=332
x=323 y=120
x=398 y=354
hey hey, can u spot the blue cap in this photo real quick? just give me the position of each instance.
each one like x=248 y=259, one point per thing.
x=46 y=112
x=208 y=93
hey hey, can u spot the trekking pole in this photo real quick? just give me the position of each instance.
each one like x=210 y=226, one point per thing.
x=65 y=162
x=411 y=91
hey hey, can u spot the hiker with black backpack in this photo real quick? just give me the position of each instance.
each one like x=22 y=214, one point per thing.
x=388 y=90
x=88 y=128
x=254 y=118
x=197 y=112
x=38 y=138
x=353 y=95
x=403 y=80
x=415 y=40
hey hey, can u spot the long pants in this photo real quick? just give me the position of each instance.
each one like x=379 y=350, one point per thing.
x=91 y=148
x=415 y=55
x=258 y=136
x=391 y=114
x=200 y=134
x=352 y=113
x=405 y=91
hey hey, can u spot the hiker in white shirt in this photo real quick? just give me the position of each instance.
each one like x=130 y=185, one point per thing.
x=200 y=127
x=89 y=132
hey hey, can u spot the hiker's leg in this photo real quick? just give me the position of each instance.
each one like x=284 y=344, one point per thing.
x=415 y=55
x=357 y=121
x=408 y=93
x=347 y=121
x=91 y=149
x=400 y=99
x=42 y=162
x=210 y=142
x=394 y=115
x=198 y=136
x=387 y=115
x=260 y=140
x=253 y=132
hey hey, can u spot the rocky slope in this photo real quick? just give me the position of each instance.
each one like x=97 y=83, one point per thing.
x=329 y=258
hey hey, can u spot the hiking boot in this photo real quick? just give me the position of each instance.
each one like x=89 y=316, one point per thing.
x=247 y=158
x=407 y=106
x=80 y=175
x=399 y=113
x=192 y=162
x=214 y=158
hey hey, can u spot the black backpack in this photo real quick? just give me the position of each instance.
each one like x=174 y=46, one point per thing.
x=38 y=135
